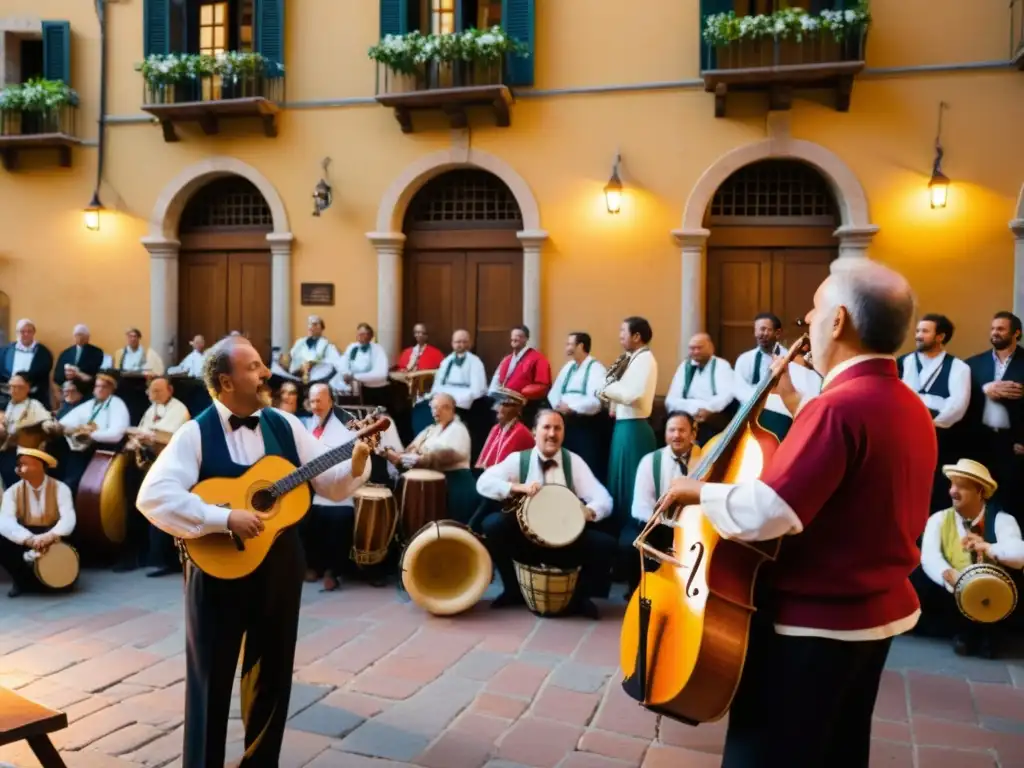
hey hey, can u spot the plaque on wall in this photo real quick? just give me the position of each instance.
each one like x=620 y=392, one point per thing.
x=317 y=294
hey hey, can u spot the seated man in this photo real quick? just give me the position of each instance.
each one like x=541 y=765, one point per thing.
x=134 y=358
x=524 y=370
x=703 y=387
x=36 y=512
x=421 y=356
x=192 y=363
x=101 y=420
x=25 y=414
x=954 y=539
x=525 y=473
x=444 y=447
x=312 y=358
x=362 y=370
x=462 y=376
x=509 y=435
x=654 y=475
x=71 y=396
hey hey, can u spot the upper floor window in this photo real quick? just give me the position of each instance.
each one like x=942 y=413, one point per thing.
x=215 y=26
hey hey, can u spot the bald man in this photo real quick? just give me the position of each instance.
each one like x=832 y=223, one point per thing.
x=703 y=387
x=79 y=363
x=460 y=375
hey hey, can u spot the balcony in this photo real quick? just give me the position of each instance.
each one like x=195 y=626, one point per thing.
x=784 y=51
x=24 y=130
x=1017 y=33
x=190 y=88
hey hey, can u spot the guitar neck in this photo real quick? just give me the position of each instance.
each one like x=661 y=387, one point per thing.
x=317 y=466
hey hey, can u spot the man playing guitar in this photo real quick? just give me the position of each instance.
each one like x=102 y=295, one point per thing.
x=224 y=441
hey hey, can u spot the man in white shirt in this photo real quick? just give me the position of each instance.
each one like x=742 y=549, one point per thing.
x=225 y=441
x=134 y=358
x=654 y=476
x=101 y=421
x=954 y=539
x=524 y=474
x=192 y=363
x=36 y=512
x=313 y=359
x=363 y=370
x=23 y=414
x=574 y=395
x=703 y=386
x=462 y=376
x=27 y=356
x=631 y=399
x=754 y=367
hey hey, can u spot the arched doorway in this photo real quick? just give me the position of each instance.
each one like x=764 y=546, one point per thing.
x=772 y=241
x=224 y=272
x=464 y=262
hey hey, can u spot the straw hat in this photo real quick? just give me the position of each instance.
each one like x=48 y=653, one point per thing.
x=975 y=471
x=502 y=395
x=35 y=453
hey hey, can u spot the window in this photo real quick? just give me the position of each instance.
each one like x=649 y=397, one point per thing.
x=215 y=26
x=442 y=17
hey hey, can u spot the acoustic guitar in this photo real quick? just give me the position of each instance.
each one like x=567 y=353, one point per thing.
x=273 y=489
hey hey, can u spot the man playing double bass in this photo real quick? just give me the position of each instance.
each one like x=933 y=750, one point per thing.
x=224 y=441
x=849 y=487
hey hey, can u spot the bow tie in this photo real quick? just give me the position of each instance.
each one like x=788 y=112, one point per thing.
x=364 y=348
x=546 y=464
x=249 y=422
x=311 y=342
x=697 y=367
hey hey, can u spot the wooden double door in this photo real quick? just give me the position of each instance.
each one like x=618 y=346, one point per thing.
x=743 y=282
x=478 y=290
x=224 y=291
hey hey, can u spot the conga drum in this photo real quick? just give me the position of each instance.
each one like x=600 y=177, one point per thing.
x=424 y=500
x=553 y=517
x=100 y=505
x=546 y=589
x=375 y=522
x=445 y=568
x=58 y=567
x=985 y=593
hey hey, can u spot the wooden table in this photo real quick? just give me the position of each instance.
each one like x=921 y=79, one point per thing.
x=23 y=719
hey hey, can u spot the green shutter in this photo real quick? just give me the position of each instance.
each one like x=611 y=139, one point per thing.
x=518 y=19
x=156 y=27
x=57 y=51
x=269 y=32
x=394 y=17
x=710 y=8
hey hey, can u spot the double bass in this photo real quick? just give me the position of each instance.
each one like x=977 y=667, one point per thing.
x=686 y=629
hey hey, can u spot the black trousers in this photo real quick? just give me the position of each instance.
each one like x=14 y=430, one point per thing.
x=593 y=552
x=73 y=467
x=264 y=608
x=628 y=564
x=379 y=396
x=327 y=534
x=804 y=702
x=8 y=463
x=12 y=560
x=996 y=446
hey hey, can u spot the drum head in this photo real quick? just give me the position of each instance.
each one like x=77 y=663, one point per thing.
x=985 y=594
x=555 y=516
x=424 y=474
x=58 y=568
x=445 y=568
x=372 y=493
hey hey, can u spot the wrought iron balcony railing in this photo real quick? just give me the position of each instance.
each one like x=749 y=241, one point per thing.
x=49 y=122
x=435 y=76
x=213 y=88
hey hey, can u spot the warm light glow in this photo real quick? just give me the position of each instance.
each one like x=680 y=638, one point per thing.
x=92 y=219
x=938 y=190
x=613 y=193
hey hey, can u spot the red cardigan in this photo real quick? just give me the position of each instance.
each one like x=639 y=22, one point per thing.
x=857 y=469
x=500 y=444
x=531 y=377
x=430 y=359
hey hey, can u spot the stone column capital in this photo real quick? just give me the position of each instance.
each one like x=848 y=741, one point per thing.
x=387 y=241
x=280 y=243
x=691 y=238
x=532 y=238
x=1017 y=227
x=161 y=247
x=852 y=236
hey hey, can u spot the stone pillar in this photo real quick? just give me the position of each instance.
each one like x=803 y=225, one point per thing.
x=532 y=240
x=1017 y=227
x=389 y=247
x=854 y=241
x=163 y=298
x=280 y=289
x=692 y=311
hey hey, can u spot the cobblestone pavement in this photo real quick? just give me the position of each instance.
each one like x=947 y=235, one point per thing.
x=380 y=685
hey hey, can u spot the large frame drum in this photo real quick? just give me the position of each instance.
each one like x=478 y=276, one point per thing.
x=100 y=504
x=445 y=568
x=985 y=593
x=424 y=500
x=552 y=518
x=58 y=568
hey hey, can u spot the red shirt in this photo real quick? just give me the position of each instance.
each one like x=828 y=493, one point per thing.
x=531 y=377
x=856 y=468
x=430 y=359
x=501 y=443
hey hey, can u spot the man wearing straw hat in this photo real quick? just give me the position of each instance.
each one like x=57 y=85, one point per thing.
x=36 y=512
x=953 y=539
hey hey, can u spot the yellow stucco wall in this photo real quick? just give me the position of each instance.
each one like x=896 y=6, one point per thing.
x=596 y=268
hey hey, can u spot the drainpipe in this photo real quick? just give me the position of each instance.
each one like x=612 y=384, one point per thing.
x=101 y=15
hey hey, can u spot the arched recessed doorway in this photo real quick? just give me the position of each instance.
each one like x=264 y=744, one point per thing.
x=224 y=266
x=464 y=262
x=772 y=241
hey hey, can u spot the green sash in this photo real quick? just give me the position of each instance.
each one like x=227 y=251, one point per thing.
x=586 y=378
x=691 y=370
x=524 y=467
x=656 y=470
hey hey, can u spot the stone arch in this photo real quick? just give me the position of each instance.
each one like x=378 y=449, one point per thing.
x=389 y=239
x=163 y=246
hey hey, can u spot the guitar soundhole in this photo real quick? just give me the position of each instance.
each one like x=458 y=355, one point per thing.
x=262 y=501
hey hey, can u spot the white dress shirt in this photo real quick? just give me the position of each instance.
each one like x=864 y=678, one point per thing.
x=28 y=411
x=806 y=382
x=951 y=409
x=335 y=433
x=110 y=416
x=165 y=418
x=1008 y=549
x=15 y=532
x=321 y=352
x=580 y=383
x=192 y=364
x=454 y=437
x=465 y=383
x=496 y=482
x=713 y=396
x=633 y=393
x=369 y=368
x=644 y=497
x=165 y=496
x=994 y=414
x=140 y=359
x=23 y=357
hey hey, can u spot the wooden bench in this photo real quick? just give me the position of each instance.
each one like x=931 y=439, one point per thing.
x=24 y=719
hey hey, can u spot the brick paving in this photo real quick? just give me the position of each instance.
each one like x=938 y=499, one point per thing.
x=378 y=684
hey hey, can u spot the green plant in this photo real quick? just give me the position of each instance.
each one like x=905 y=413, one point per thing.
x=405 y=54
x=37 y=95
x=785 y=24
x=168 y=69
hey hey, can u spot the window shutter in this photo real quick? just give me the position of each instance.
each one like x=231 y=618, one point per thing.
x=269 y=32
x=394 y=17
x=517 y=18
x=710 y=8
x=57 y=51
x=156 y=27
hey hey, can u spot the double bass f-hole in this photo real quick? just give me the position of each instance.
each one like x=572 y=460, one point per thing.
x=698 y=547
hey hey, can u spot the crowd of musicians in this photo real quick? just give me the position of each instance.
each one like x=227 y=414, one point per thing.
x=485 y=441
